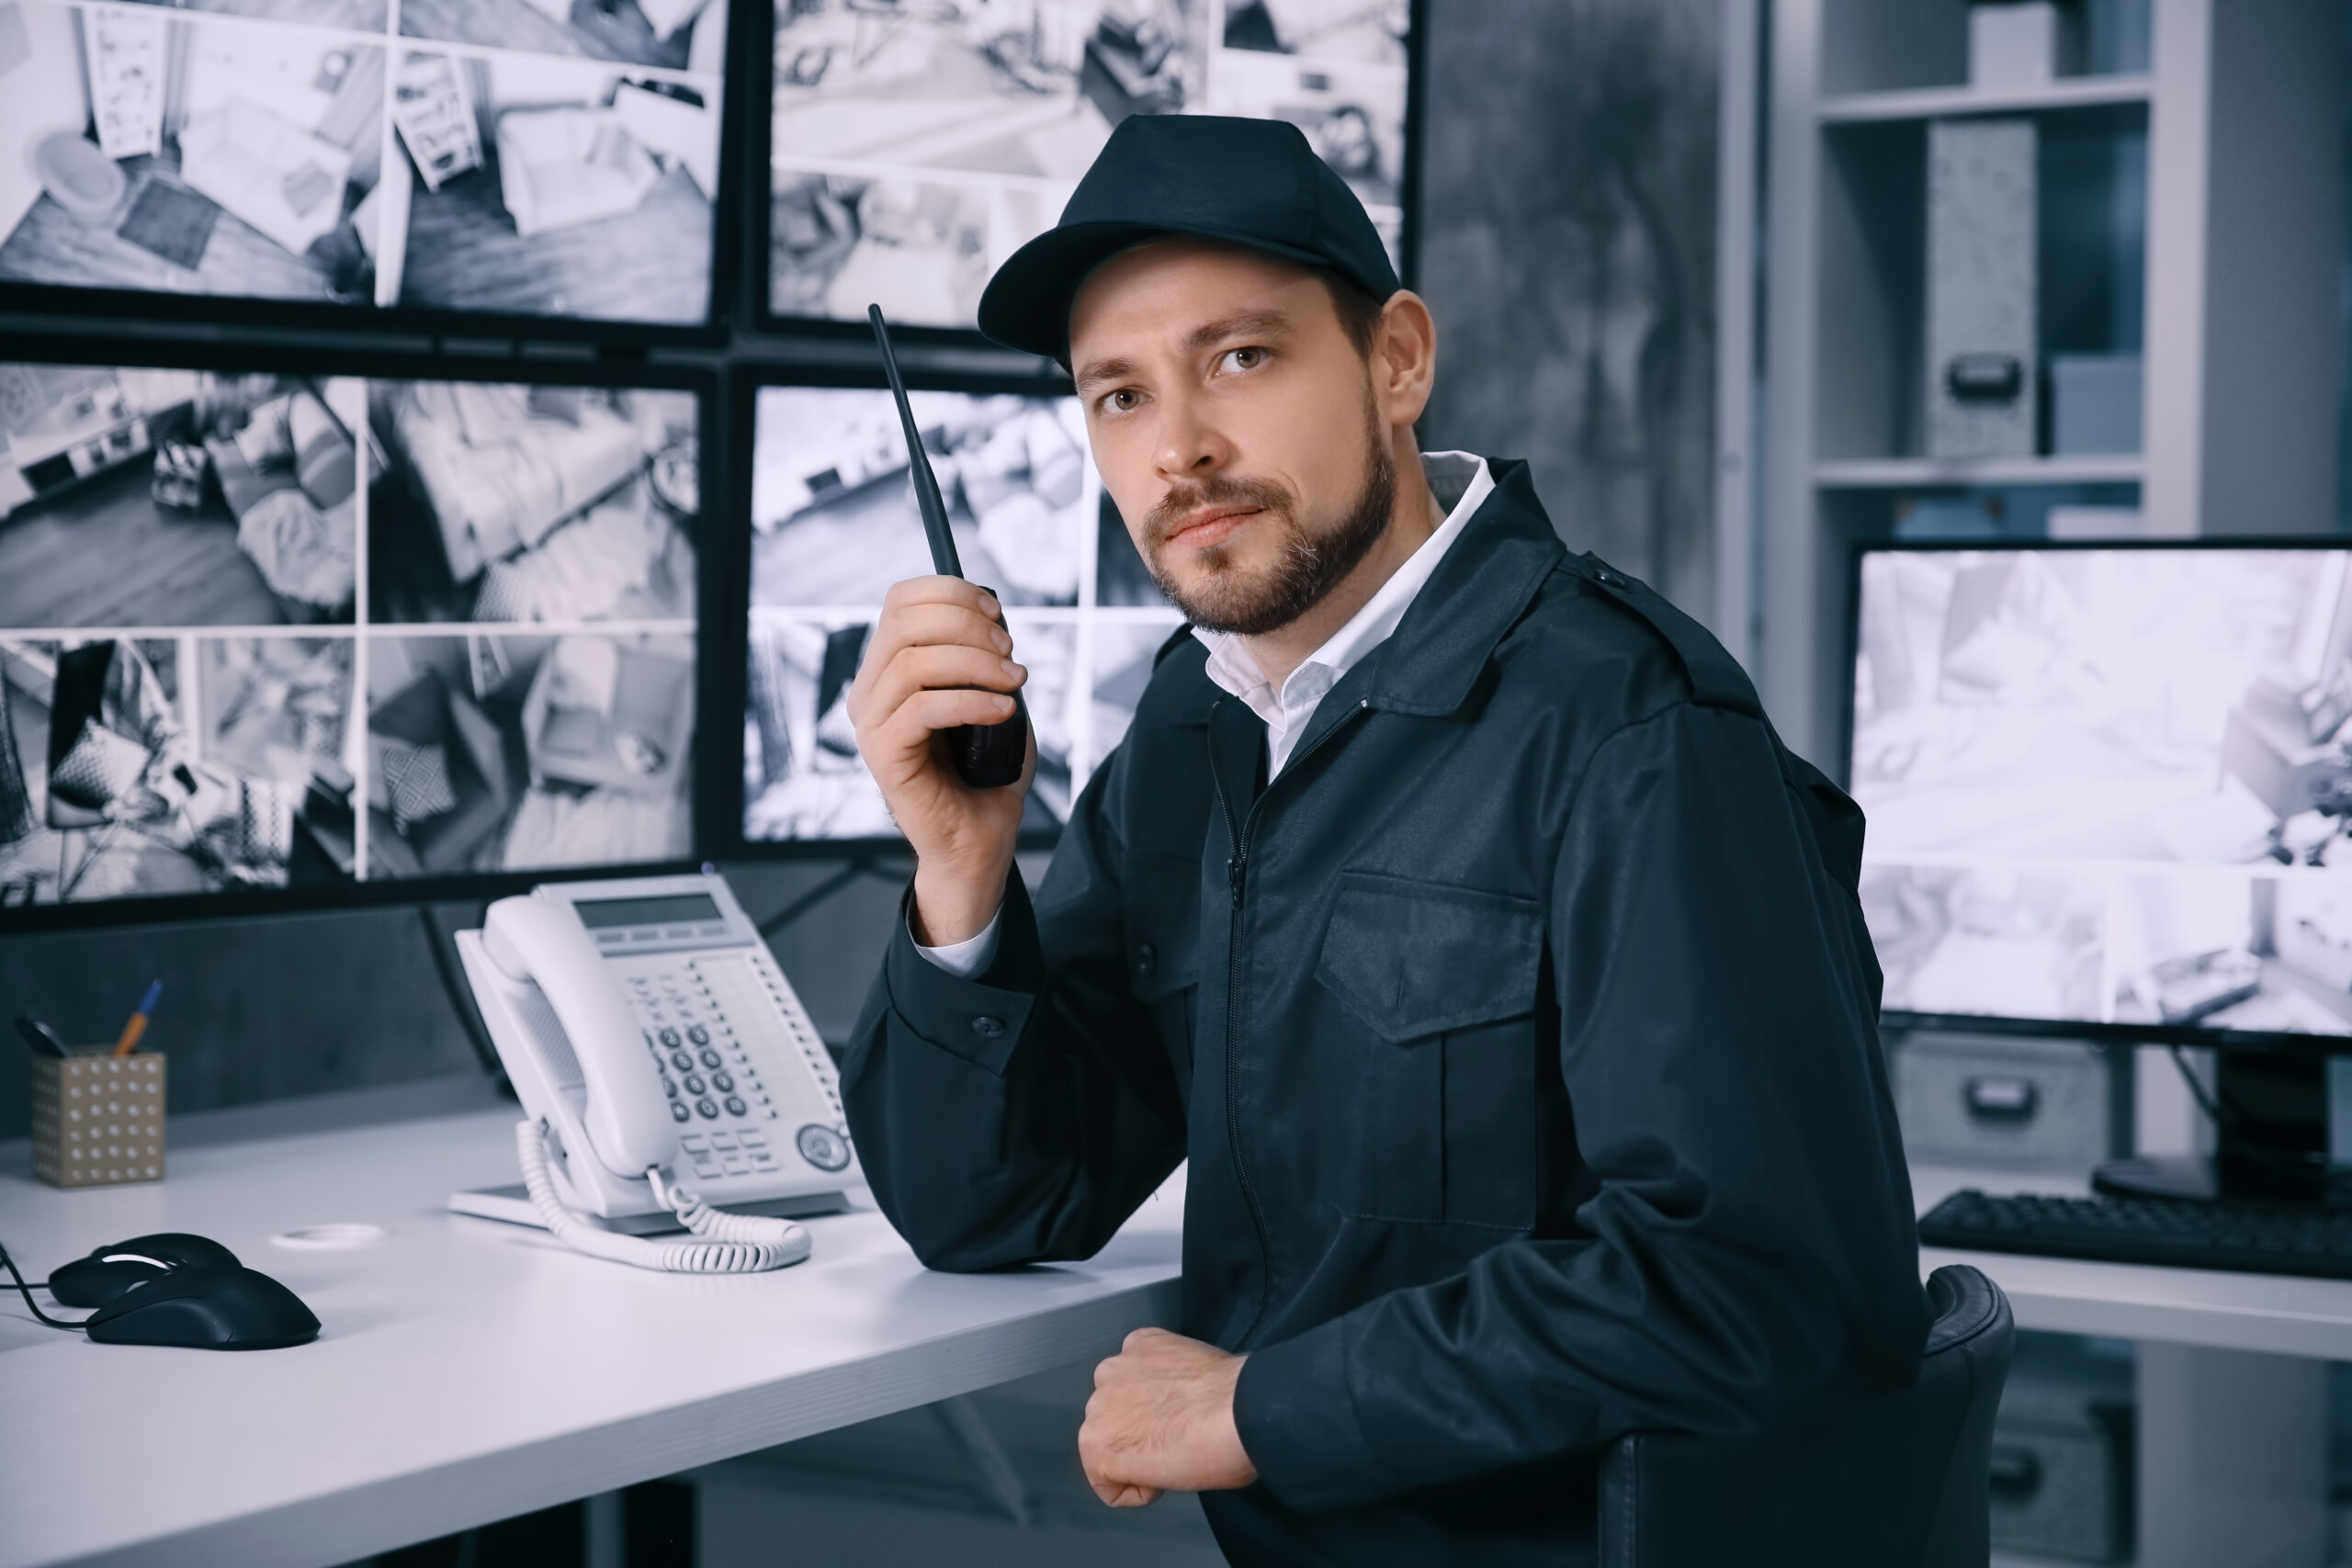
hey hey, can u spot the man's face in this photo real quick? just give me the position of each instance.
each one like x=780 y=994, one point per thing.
x=1235 y=425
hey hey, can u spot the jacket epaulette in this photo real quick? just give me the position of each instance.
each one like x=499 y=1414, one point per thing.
x=1716 y=679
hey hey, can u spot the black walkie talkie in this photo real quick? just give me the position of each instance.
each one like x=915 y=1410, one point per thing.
x=987 y=756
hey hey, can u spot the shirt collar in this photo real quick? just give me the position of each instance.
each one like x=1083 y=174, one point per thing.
x=1462 y=481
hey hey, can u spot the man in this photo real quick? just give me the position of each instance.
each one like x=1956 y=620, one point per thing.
x=1450 y=905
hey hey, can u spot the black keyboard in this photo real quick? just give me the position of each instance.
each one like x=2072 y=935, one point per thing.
x=2249 y=1238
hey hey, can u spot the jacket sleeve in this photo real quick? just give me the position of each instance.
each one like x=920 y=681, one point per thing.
x=1021 y=1115
x=1748 y=1256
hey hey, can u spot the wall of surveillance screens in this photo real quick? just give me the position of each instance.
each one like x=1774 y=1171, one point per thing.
x=2109 y=784
x=834 y=524
x=537 y=158
x=268 y=631
x=914 y=146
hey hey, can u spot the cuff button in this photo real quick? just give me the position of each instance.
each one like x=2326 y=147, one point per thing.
x=1147 y=961
x=987 y=1027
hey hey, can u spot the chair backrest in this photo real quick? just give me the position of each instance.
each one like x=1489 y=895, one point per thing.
x=1900 y=1483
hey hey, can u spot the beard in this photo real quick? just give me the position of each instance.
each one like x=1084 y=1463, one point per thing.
x=1308 y=564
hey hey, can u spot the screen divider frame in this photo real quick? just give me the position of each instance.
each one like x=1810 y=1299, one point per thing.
x=711 y=594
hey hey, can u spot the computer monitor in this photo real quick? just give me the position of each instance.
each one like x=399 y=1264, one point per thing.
x=834 y=524
x=554 y=168
x=280 y=630
x=2110 y=796
x=915 y=144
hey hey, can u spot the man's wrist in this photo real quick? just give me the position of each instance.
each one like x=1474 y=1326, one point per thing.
x=949 y=908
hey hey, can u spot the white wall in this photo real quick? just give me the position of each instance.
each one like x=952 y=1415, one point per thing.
x=41 y=93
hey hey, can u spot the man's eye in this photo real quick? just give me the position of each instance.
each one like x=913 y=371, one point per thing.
x=1244 y=358
x=1124 y=400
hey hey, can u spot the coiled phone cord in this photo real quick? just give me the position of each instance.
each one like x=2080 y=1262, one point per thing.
x=726 y=1244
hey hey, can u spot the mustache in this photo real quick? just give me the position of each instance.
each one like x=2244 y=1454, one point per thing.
x=1225 y=490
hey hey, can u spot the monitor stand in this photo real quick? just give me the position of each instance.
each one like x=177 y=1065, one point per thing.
x=2270 y=1140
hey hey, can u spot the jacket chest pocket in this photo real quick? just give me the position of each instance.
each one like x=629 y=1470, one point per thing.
x=1439 y=984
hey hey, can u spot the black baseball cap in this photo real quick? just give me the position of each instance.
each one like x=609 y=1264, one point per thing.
x=1249 y=182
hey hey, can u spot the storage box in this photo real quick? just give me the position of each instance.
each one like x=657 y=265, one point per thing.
x=2062 y=1478
x=2093 y=403
x=98 y=1119
x=2018 y=42
x=1981 y=392
x=1983 y=1100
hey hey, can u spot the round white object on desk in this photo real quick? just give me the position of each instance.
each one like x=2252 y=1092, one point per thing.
x=331 y=1238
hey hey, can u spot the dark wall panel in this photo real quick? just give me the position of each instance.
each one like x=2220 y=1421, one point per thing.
x=1567 y=249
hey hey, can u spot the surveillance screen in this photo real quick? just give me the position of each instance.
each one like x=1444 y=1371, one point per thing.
x=266 y=631
x=834 y=524
x=547 y=158
x=2110 y=785
x=915 y=146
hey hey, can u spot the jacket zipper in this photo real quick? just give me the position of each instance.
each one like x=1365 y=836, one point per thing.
x=1237 y=872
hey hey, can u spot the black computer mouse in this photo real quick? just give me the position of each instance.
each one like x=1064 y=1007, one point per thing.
x=95 y=1280
x=205 y=1308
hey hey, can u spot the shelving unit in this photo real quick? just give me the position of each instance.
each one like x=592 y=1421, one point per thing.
x=2191 y=210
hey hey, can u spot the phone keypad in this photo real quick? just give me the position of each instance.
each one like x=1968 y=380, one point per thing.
x=690 y=1016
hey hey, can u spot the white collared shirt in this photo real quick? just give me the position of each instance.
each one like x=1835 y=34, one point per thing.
x=1460 y=484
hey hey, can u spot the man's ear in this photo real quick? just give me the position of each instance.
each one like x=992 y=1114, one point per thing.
x=1403 y=358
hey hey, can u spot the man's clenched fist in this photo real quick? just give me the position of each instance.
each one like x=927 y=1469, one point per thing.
x=1162 y=1420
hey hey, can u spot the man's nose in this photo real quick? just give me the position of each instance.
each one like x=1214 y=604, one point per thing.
x=1191 y=446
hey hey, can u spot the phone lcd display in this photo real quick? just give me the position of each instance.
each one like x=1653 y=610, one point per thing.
x=685 y=909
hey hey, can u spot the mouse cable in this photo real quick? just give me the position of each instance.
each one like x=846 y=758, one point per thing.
x=27 y=1291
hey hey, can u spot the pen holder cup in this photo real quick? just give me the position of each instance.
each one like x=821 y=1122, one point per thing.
x=98 y=1119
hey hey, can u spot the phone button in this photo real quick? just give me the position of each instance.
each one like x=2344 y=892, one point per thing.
x=678 y=1111
x=667 y=1088
x=725 y=1083
x=735 y=1106
x=707 y=1108
x=823 y=1148
x=699 y=1034
x=680 y=1061
x=670 y=1038
x=694 y=1083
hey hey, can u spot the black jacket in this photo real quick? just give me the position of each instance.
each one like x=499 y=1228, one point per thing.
x=1521 y=1036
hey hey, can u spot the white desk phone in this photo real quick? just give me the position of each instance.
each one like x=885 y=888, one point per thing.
x=665 y=1067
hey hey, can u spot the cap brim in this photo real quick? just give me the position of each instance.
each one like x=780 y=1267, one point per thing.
x=1026 y=304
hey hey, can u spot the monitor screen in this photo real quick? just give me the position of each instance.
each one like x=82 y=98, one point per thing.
x=2109 y=786
x=264 y=631
x=913 y=147
x=834 y=524
x=482 y=158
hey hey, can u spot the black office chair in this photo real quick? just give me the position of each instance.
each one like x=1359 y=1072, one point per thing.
x=1901 y=1483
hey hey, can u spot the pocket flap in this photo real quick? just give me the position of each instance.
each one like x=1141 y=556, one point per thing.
x=1413 y=959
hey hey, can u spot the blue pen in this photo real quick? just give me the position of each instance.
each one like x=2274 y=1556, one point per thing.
x=138 y=1024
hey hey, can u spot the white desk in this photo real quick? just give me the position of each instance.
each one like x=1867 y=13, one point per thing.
x=471 y=1371
x=2232 y=1392
x=2267 y=1313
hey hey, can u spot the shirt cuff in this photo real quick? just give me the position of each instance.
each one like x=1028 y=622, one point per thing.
x=966 y=960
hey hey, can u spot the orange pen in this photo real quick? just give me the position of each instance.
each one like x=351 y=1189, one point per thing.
x=138 y=1024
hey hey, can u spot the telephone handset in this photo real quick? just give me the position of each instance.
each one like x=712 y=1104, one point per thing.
x=664 y=1065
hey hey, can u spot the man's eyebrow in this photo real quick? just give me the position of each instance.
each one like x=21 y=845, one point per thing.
x=1241 y=324
x=1100 y=370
